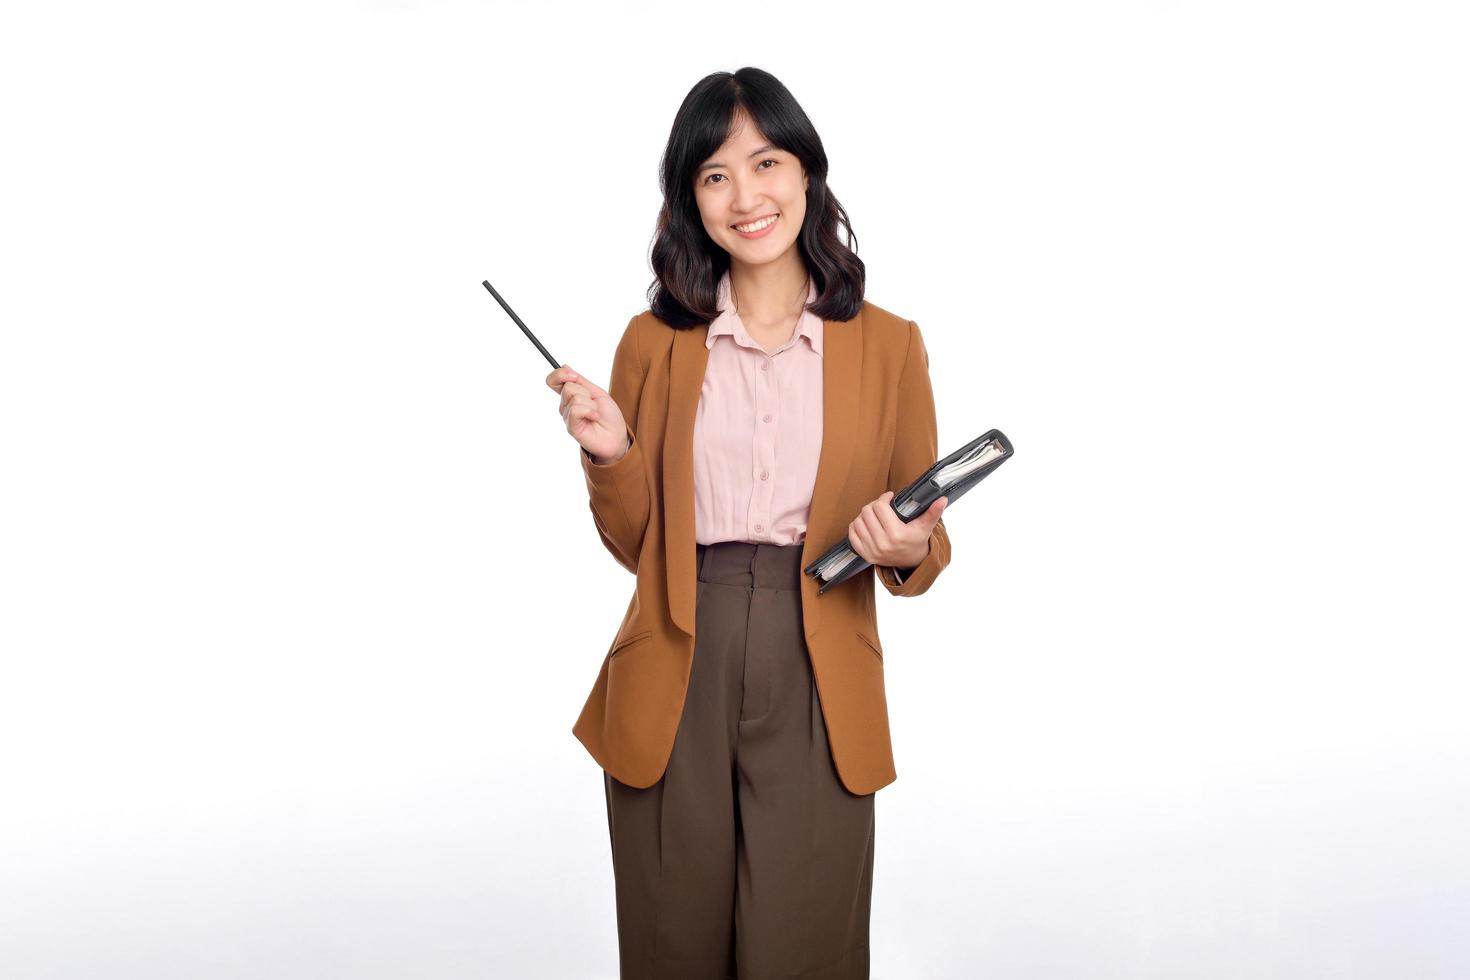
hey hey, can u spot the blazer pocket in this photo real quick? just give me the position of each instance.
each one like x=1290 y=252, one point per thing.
x=872 y=645
x=620 y=645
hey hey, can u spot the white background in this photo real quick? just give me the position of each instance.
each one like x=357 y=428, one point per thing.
x=299 y=590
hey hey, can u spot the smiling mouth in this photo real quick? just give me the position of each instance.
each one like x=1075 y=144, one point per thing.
x=759 y=224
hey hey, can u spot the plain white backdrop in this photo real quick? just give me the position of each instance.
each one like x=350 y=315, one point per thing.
x=302 y=596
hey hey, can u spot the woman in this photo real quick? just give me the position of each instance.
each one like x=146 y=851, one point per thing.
x=753 y=410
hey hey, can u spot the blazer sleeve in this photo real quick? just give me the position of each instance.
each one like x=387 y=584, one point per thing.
x=618 y=493
x=915 y=449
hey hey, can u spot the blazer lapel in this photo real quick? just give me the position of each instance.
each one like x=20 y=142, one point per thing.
x=686 y=379
x=842 y=361
x=842 y=352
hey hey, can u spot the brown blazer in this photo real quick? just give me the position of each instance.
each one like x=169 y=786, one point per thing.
x=879 y=433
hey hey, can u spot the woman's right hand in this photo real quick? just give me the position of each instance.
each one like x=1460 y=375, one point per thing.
x=591 y=415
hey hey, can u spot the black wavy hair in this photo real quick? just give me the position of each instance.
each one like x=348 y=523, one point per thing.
x=687 y=263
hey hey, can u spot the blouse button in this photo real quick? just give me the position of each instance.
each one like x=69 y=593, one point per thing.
x=765 y=365
x=766 y=417
x=759 y=528
x=765 y=474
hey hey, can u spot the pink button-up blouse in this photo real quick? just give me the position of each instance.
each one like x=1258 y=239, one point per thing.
x=757 y=431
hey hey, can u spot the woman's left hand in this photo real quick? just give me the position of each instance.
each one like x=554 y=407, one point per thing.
x=880 y=536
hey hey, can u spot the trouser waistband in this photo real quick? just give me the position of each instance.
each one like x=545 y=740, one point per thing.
x=751 y=564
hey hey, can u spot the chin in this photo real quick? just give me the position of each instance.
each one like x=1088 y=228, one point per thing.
x=771 y=245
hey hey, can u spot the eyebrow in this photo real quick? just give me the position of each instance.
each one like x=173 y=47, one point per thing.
x=768 y=148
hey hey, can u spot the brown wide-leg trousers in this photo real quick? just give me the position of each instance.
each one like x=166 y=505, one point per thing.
x=748 y=859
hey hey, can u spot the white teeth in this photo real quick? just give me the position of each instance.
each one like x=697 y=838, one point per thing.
x=758 y=225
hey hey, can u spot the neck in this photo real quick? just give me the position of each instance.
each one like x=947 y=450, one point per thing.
x=770 y=292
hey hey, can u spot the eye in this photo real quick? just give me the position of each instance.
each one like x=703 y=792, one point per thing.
x=766 y=160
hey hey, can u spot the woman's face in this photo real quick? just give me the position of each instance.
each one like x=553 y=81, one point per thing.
x=745 y=182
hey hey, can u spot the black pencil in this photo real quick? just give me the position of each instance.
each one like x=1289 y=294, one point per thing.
x=524 y=329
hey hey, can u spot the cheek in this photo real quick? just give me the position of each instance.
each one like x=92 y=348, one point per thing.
x=796 y=208
x=703 y=208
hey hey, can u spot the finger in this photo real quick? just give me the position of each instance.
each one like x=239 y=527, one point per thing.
x=581 y=404
x=595 y=389
x=571 y=391
x=888 y=517
x=877 y=536
x=857 y=536
x=571 y=394
x=558 y=377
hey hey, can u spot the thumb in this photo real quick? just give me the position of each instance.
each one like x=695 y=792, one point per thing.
x=932 y=515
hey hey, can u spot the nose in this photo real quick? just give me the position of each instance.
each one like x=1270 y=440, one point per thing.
x=749 y=202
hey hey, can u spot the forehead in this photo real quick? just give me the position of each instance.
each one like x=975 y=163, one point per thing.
x=743 y=131
x=744 y=144
x=745 y=137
